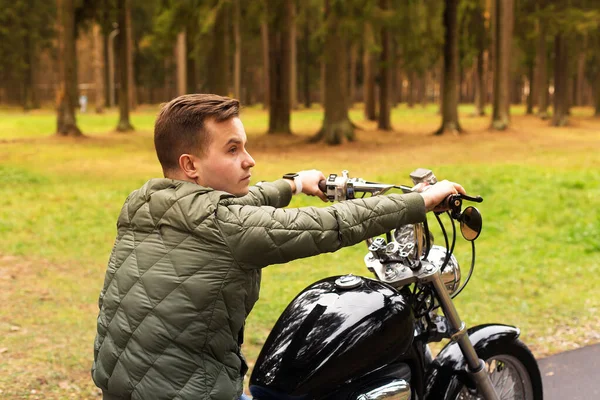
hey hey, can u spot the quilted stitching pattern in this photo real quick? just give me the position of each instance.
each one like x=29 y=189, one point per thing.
x=175 y=298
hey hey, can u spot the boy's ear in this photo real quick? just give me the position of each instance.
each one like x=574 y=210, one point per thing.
x=188 y=166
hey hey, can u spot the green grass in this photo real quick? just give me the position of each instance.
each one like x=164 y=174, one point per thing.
x=538 y=256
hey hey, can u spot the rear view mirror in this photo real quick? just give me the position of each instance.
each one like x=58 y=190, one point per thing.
x=470 y=223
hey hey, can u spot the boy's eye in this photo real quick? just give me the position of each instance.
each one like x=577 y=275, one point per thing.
x=233 y=149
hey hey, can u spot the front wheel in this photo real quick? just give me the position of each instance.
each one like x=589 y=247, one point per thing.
x=513 y=371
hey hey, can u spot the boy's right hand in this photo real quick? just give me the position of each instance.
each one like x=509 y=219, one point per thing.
x=434 y=195
x=310 y=183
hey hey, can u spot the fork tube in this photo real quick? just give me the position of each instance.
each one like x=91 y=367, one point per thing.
x=476 y=367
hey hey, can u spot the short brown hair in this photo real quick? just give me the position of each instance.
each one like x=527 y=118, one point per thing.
x=179 y=127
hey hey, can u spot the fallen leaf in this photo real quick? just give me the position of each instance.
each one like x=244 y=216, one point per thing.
x=15 y=328
x=3 y=350
x=549 y=373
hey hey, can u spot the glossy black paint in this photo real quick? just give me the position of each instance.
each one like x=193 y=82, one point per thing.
x=327 y=336
x=448 y=370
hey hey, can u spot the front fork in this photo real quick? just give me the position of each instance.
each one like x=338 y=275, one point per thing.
x=475 y=366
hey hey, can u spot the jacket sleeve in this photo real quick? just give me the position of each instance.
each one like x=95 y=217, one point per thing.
x=261 y=236
x=275 y=194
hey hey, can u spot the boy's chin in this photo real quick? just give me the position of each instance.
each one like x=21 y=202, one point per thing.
x=242 y=192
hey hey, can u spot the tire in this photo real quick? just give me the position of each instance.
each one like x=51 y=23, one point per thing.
x=513 y=370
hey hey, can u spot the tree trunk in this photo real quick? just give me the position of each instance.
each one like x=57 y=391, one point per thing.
x=412 y=77
x=352 y=77
x=542 y=71
x=248 y=87
x=337 y=127
x=579 y=89
x=218 y=61
x=561 y=81
x=417 y=88
x=124 y=124
x=264 y=34
x=181 y=57
x=322 y=82
x=237 y=62
x=503 y=17
x=596 y=94
x=28 y=82
x=306 y=64
x=480 y=86
x=106 y=58
x=369 y=75
x=423 y=90
x=385 y=74
x=67 y=93
x=190 y=60
x=570 y=93
x=279 y=66
x=461 y=89
x=449 y=95
x=398 y=92
x=131 y=89
x=99 y=99
x=530 y=95
x=517 y=90
x=396 y=88
x=294 y=58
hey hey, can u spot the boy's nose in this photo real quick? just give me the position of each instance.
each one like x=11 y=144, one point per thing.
x=249 y=161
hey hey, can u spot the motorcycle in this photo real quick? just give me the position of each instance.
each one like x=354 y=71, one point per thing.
x=352 y=337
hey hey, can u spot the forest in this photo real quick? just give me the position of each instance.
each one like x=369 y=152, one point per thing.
x=291 y=54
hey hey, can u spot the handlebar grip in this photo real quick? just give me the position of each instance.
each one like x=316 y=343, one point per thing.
x=323 y=186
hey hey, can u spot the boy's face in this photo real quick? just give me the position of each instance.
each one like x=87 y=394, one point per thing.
x=226 y=164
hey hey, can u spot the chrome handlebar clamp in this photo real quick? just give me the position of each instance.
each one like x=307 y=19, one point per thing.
x=336 y=187
x=339 y=188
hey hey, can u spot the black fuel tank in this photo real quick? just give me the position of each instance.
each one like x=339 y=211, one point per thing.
x=328 y=335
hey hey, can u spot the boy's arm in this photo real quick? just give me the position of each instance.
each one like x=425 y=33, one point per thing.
x=260 y=236
x=275 y=194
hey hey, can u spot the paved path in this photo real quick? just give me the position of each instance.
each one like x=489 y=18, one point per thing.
x=574 y=375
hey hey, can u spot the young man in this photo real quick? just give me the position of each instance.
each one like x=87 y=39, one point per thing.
x=185 y=269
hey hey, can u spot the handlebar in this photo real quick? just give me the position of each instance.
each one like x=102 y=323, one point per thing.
x=339 y=188
x=367 y=187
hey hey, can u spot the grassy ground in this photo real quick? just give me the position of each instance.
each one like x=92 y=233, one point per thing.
x=538 y=257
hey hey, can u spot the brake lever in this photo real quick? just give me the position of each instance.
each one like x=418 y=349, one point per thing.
x=454 y=203
x=476 y=199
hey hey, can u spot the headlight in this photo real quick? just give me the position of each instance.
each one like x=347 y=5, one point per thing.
x=451 y=274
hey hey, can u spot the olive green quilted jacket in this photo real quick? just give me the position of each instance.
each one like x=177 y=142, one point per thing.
x=185 y=272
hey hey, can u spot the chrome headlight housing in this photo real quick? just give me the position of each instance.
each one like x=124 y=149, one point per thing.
x=451 y=274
